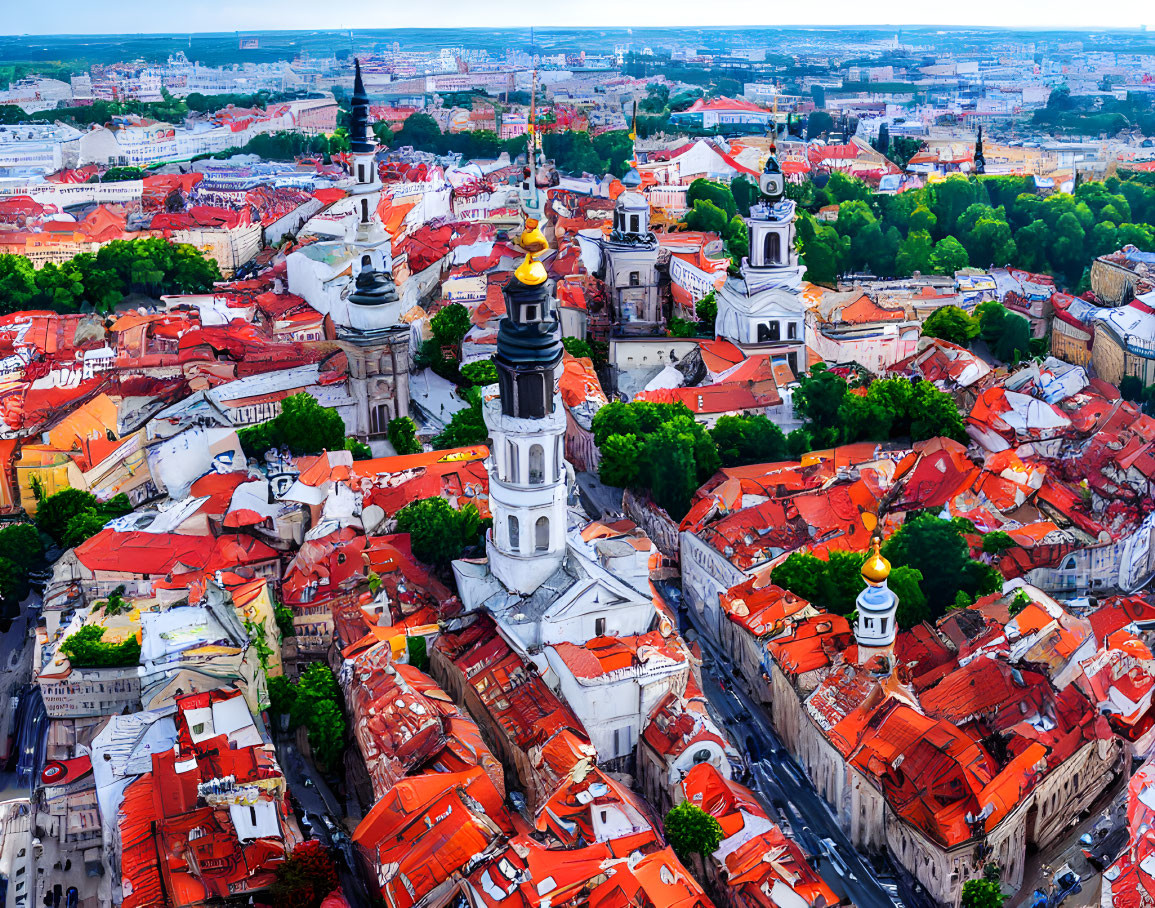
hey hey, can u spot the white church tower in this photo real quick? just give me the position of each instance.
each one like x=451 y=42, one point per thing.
x=761 y=309
x=877 y=606
x=527 y=476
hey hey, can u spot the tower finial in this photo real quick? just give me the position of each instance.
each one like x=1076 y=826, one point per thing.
x=875 y=569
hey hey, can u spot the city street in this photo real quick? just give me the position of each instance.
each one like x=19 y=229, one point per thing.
x=783 y=788
x=324 y=813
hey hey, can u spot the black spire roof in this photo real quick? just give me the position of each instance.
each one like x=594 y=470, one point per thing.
x=361 y=139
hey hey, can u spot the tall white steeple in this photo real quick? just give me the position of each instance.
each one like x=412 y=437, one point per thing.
x=875 y=628
x=527 y=478
x=363 y=148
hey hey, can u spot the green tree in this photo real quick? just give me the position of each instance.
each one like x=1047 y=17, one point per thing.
x=705 y=216
x=303 y=425
x=748 y=439
x=915 y=254
x=982 y=893
x=992 y=317
x=997 y=541
x=577 y=347
x=706 y=309
x=950 y=323
x=905 y=583
x=938 y=549
x=21 y=543
x=402 y=433
x=1015 y=340
x=717 y=193
x=949 y=256
x=437 y=532
x=86 y=648
x=465 y=429
x=55 y=511
x=619 y=465
x=745 y=192
x=326 y=729
x=450 y=325
x=817 y=400
x=1130 y=388
x=818 y=124
x=13 y=587
x=81 y=527
x=691 y=831
x=481 y=372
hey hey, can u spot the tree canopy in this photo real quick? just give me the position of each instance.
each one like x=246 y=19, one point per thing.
x=437 y=532
x=303 y=426
x=690 y=831
x=659 y=448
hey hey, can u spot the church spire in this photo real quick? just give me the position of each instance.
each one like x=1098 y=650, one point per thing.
x=980 y=161
x=361 y=139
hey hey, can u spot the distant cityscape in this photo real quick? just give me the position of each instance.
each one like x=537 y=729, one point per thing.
x=557 y=468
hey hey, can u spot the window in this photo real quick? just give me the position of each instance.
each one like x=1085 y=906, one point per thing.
x=514 y=534
x=360 y=173
x=536 y=465
x=541 y=534
x=364 y=211
x=769 y=331
x=599 y=627
x=366 y=262
x=883 y=622
x=531 y=313
x=635 y=279
x=868 y=623
x=702 y=756
x=772 y=248
x=513 y=466
x=792 y=331
x=635 y=223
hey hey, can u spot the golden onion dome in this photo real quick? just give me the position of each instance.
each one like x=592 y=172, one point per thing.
x=530 y=272
x=876 y=569
x=532 y=240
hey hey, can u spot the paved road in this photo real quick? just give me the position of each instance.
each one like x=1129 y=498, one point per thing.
x=324 y=812
x=784 y=789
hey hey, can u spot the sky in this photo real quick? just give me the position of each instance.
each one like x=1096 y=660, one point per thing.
x=135 y=16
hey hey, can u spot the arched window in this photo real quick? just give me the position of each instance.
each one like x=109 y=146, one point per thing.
x=773 y=248
x=514 y=472
x=536 y=465
x=514 y=534
x=541 y=534
x=366 y=261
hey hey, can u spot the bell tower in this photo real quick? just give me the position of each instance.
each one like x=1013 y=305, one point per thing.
x=980 y=161
x=875 y=628
x=526 y=421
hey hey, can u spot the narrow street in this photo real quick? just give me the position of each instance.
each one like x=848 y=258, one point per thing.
x=323 y=810
x=783 y=788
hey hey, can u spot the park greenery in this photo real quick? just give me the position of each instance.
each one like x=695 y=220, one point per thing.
x=304 y=427
x=86 y=648
x=968 y=221
x=100 y=280
x=930 y=567
x=314 y=703
x=713 y=208
x=438 y=532
x=691 y=831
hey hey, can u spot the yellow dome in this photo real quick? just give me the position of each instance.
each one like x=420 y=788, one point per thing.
x=876 y=568
x=531 y=272
x=532 y=240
